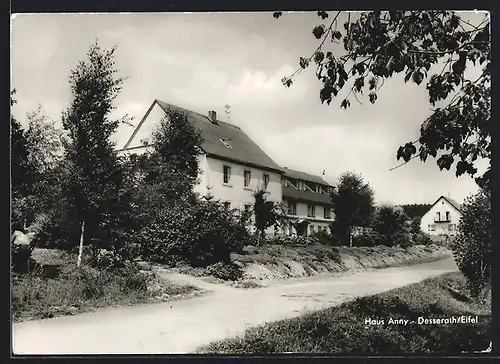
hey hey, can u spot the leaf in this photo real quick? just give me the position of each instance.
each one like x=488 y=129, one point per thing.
x=303 y=62
x=407 y=77
x=373 y=97
x=336 y=34
x=287 y=82
x=400 y=153
x=343 y=74
x=277 y=14
x=459 y=66
x=445 y=162
x=423 y=155
x=359 y=83
x=323 y=14
x=345 y=104
x=462 y=167
x=318 y=57
x=417 y=77
x=318 y=31
x=332 y=74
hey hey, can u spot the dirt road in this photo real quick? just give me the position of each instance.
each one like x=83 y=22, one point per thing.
x=183 y=326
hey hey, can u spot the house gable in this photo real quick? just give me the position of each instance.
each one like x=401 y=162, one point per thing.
x=449 y=202
x=221 y=140
x=442 y=218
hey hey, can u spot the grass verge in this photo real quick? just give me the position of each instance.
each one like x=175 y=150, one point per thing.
x=342 y=329
x=36 y=295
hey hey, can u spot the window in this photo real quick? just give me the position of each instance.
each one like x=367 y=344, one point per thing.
x=248 y=207
x=301 y=185
x=311 y=210
x=227 y=205
x=311 y=229
x=431 y=227
x=266 y=181
x=438 y=216
x=248 y=177
x=292 y=208
x=447 y=216
x=144 y=142
x=227 y=174
x=451 y=227
x=328 y=213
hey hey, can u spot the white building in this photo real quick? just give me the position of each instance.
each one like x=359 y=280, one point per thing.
x=308 y=203
x=232 y=165
x=442 y=218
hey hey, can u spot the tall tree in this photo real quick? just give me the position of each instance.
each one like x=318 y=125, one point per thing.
x=20 y=172
x=45 y=141
x=415 y=213
x=172 y=165
x=20 y=169
x=392 y=224
x=353 y=205
x=95 y=176
x=433 y=46
x=266 y=213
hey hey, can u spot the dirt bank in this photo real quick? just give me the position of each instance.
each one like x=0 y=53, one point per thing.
x=277 y=262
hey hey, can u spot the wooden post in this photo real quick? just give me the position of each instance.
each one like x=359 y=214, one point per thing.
x=350 y=237
x=80 y=250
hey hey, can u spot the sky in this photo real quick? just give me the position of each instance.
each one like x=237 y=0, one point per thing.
x=204 y=61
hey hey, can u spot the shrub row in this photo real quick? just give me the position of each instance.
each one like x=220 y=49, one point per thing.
x=200 y=234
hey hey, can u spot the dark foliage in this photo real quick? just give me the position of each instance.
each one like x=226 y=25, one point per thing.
x=472 y=245
x=353 y=205
x=200 y=234
x=431 y=48
x=225 y=271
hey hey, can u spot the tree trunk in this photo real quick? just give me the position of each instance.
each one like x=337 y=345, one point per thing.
x=80 y=250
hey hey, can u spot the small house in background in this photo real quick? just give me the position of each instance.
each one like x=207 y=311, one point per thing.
x=442 y=219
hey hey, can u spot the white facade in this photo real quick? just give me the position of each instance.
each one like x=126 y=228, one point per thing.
x=442 y=219
x=235 y=191
x=211 y=180
x=312 y=212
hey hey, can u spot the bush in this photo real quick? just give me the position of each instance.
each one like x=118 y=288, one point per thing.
x=421 y=239
x=324 y=238
x=472 y=245
x=201 y=234
x=225 y=271
x=366 y=239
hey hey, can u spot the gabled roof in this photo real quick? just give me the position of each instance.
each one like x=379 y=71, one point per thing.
x=242 y=149
x=306 y=196
x=305 y=177
x=451 y=201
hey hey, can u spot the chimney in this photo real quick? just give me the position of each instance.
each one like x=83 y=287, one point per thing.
x=212 y=116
